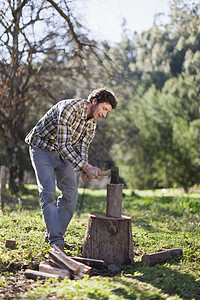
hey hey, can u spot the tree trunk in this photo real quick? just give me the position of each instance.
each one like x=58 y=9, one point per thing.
x=13 y=178
x=109 y=239
x=16 y=168
x=2 y=186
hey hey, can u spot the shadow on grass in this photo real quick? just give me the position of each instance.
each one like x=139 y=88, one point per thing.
x=87 y=203
x=144 y=223
x=19 y=204
x=165 y=279
x=26 y=200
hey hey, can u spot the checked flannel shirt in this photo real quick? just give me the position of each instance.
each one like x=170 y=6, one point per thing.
x=65 y=128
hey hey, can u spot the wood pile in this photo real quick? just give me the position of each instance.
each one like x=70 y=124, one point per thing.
x=59 y=266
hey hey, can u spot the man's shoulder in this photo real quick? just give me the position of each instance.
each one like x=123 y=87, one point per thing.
x=73 y=106
x=73 y=102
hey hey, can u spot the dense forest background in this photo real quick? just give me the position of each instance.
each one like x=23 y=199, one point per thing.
x=153 y=135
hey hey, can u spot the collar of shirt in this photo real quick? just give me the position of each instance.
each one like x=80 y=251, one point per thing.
x=84 y=114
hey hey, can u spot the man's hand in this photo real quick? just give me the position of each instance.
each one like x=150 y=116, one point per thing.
x=84 y=176
x=90 y=172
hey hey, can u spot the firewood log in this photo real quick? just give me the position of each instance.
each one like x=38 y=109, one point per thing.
x=73 y=265
x=46 y=267
x=55 y=263
x=70 y=264
x=10 y=243
x=33 y=274
x=94 y=263
x=162 y=256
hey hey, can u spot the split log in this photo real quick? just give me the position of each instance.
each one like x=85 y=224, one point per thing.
x=33 y=274
x=77 y=277
x=55 y=263
x=114 y=200
x=162 y=256
x=108 y=239
x=47 y=267
x=94 y=263
x=84 y=268
x=66 y=261
x=73 y=265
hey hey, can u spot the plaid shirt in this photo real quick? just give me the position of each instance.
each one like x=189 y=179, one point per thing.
x=65 y=128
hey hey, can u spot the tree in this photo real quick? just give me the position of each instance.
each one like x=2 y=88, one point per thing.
x=163 y=112
x=28 y=31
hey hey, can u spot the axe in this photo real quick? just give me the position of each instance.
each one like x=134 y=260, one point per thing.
x=113 y=173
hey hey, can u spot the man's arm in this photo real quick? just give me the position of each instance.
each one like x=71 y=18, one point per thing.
x=66 y=119
x=88 y=172
x=86 y=139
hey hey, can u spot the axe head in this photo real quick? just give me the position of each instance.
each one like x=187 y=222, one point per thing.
x=114 y=175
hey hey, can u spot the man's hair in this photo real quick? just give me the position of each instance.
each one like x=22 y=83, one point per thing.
x=103 y=95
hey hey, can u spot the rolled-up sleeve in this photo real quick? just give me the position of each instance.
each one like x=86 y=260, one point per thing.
x=86 y=140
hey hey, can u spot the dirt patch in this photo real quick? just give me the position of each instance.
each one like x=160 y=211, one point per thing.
x=14 y=282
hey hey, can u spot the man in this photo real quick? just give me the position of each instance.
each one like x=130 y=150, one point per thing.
x=59 y=146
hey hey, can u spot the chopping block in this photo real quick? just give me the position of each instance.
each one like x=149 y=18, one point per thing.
x=109 y=236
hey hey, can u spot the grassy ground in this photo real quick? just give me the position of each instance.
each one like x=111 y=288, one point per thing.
x=160 y=220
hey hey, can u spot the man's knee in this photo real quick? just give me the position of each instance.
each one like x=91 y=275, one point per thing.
x=69 y=196
x=47 y=199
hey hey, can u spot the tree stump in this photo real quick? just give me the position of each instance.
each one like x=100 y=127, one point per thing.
x=109 y=239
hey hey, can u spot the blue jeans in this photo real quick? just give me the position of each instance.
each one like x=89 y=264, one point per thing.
x=49 y=170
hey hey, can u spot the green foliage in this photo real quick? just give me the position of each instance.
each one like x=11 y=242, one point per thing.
x=160 y=135
x=156 y=128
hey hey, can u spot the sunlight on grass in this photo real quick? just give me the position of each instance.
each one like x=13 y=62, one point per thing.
x=169 y=193
x=93 y=192
x=159 y=221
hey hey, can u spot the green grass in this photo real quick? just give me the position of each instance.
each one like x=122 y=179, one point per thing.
x=159 y=221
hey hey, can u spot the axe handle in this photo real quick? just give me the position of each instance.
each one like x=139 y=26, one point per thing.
x=105 y=173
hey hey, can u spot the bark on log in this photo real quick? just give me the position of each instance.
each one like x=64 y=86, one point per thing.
x=33 y=274
x=162 y=256
x=114 y=175
x=10 y=243
x=108 y=239
x=94 y=263
x=175 y=251
x=114 y=200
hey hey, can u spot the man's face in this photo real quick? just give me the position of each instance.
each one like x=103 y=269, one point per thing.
x=100 y=110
